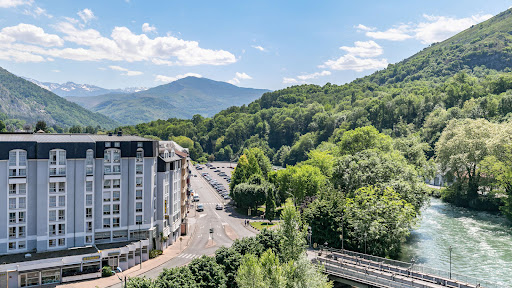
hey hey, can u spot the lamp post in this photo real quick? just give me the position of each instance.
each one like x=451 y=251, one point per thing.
x=450 y=249
x=325 y=245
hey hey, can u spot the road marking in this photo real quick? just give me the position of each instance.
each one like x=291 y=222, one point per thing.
x=189 y=256
x=216 y=214
x=202 y=215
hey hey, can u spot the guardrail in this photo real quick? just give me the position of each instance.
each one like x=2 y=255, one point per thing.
x=417 y=268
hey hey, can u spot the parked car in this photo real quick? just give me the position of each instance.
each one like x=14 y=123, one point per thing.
x=219 y=207
x=200 y=208
x=226 y=197
x=196 y=198
x=217 y=170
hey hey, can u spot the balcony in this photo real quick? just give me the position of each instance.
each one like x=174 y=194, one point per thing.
x=57 y=171
x=17 y=172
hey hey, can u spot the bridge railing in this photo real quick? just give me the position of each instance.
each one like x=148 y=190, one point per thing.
x=417 y=268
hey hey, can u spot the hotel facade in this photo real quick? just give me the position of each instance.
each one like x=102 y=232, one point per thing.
x=73 y=203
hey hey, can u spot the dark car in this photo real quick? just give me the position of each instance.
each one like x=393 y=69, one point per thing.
x=226 y=197
x=200 y=208
x=219 y=207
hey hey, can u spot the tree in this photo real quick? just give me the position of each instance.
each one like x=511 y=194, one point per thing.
x=363 y=138
x=75 y=129
x=250 y=195
x=230 y=259
x=299 y=182
x=270 y=206
x=379 y=218
x=460 y=149
x=249 y=273
x=207 y=273
x=140 y=282
x=293 y=232
x=176 y=278
x=2 y=126
x=41 y=125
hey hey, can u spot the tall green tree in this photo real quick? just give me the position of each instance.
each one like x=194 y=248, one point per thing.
x=293 y=233
x=207 y=273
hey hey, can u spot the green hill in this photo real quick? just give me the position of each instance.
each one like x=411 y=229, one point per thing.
x=21 y=99
x=181 y=99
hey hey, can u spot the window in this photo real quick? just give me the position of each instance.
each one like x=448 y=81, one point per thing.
x=53 y=188
x=116 y=169
x=62 y=229
x=138 y=219
x=88 y=186
x=108 y=144
x=53 y=201
x=22 y=188
x=116 y=196
x=89 y=170
x=62 y=187
x=12 y=158
x=22 y=202
x=107 y=184
x=51 y=276
x=52 y=243
x=29 y=279
x=139 y=144
x=89 y=157
x=62 y=242
x=12 y=203
x=108 y=169
x=88 y=212
x=138 y=207
x=88 y=225
x=12 y=217
x=62 y=215
x=139 y=156
x=139 y=169
x=17 y=158
x=116 y=156
x=21 y=217
x=21 y=232
x=22 y=245
x=12 y=232
x=138 y=182
x=106 y=223
x=52 y=215
x=138 y=194
x=106 y=209
x=115 y=222
x=52 y=230
x=115 y=209
x=12 y=188
x=62 y=201
x=106 y=196
x=106 y=157
x=88 y=239
x=88 y=199
x=117 y=183
x=117 y=144
x=12 y=245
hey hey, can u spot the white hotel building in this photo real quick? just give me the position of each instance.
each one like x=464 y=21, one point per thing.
x=72 y=203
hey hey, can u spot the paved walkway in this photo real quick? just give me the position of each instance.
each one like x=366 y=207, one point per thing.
x=171 y=252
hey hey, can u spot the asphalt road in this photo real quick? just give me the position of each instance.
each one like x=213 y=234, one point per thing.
x=222 y=222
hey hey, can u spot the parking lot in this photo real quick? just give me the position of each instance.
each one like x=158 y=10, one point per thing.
x=218 y=174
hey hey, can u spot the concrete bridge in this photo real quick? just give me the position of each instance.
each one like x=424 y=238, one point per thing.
x=361 y=270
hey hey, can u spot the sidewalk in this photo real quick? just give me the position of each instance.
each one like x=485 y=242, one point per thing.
x=168 y=254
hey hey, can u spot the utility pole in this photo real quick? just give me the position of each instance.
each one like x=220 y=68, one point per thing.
x=450 y=249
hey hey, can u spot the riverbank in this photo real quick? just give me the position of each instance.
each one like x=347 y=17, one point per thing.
x=481 y=242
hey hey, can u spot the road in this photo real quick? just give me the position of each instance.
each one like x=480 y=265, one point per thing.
x=223 y=222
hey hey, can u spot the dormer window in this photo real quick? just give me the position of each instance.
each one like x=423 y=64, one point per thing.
x=57 y=162
x=166 y=154
x=108 y=144
x=17 y=163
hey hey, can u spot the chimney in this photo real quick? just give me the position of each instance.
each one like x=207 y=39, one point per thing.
x=119 y=133
x=109 y=133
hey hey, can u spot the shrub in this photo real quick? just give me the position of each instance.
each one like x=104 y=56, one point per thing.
x=154 y=253
x=106 y=271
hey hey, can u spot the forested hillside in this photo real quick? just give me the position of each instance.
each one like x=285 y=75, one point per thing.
x=25 y=101
x=466 y=76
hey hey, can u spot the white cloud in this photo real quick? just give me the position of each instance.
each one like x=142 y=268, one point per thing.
x=32 y=34
x=433 y=29
x=239 y=76
x=351 y=62
x=146 y=28
x=314 y=75
x=38 y=11
x=364 y=49
x=287 y=80
x=86 y=15
x=56 y=71
x=259 y=48
x=168 y=79
x=20 y=56
x=364 y=28
x=14 y=3
x=393 y=34
x=439 y=28
x=127 y=72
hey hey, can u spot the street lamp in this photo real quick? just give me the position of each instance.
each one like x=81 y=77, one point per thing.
x=325 y=245
x=450 y=249
x=119 y=270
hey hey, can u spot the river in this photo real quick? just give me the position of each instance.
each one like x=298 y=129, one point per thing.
x=481 y=242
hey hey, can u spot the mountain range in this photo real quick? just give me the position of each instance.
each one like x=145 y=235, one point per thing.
x=24 y=100
x=73 y=89
x=182 y=98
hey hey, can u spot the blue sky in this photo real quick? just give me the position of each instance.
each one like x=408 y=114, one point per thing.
x=262 y=44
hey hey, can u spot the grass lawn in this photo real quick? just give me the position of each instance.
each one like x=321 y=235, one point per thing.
x=260 y=225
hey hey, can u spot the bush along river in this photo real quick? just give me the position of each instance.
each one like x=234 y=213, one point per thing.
x=481 y=242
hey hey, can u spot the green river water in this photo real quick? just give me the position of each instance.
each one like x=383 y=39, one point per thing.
x=481 y=242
